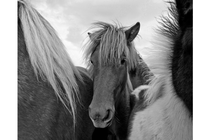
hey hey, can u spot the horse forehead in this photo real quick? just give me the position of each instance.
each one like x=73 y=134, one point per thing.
x=109 y=75
x=107 y=69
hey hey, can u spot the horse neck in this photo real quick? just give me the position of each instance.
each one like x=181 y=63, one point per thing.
x=141 y=75
x=123 y=110
x=123 y=99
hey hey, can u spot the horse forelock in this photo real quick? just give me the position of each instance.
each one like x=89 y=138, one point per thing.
x=111 y=42
x=48 y=55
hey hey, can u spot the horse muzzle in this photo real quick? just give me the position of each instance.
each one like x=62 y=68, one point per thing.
x=101 y=118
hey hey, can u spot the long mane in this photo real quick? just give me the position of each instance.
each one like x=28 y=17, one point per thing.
x=160 y=56
x=112 y=44
x=48 y=56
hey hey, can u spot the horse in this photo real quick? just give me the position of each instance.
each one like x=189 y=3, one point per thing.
x=53 y=95
x=116 y=68
x=166 y=111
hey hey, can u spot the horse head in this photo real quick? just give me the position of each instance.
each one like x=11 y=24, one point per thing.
x=111 y=57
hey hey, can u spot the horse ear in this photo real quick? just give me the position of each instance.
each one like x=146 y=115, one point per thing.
x=132 y=32
x=92 y=36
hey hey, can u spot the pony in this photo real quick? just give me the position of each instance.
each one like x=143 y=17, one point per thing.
x=116 y=68
x=166 y=111
x=53 y=95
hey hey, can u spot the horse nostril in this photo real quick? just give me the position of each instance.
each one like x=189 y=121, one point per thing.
x=101 y=118
x=108 y=116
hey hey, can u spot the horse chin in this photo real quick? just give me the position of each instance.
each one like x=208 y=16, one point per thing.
x=102 y=124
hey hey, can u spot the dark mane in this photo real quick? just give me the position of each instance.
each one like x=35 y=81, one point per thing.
x=169 y=26
x=142 y=71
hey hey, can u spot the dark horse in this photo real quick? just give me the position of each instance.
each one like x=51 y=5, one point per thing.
x=53 y=95
x=116 y=68
x=167 y=109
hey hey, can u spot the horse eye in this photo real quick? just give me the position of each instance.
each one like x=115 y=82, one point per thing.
x=123 y=61
x=91 y=61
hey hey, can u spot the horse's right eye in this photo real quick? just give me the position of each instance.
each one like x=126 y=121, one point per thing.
x=123 y=61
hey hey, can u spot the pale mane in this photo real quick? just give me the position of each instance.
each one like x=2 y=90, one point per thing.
x=48 y=55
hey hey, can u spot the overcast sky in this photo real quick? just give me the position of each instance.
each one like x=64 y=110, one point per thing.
x=72 y=19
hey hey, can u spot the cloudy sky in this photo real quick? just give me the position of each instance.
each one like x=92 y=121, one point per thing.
x=72 y=19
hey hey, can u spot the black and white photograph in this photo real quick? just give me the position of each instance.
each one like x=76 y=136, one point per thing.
x=104 y=70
